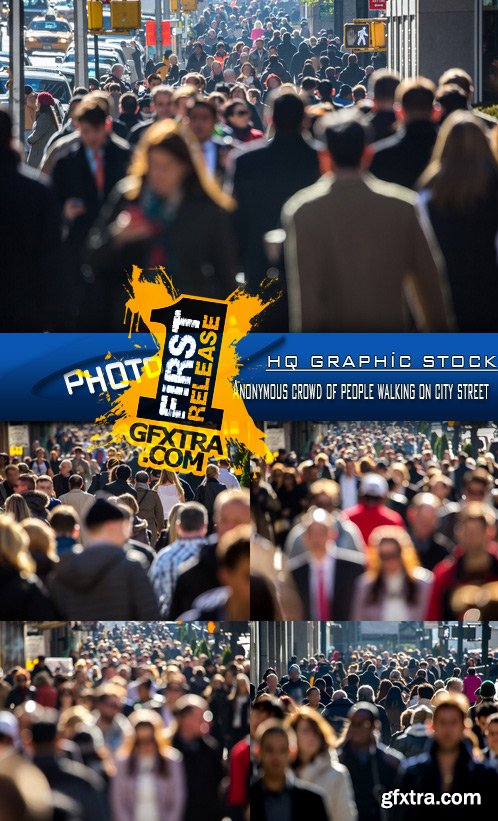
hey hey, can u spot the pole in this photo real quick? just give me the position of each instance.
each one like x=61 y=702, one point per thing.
x=460 y=643
x=16 y=96
x=80 y=43
x=159 y=31
x=485 y=636
x=96 y=50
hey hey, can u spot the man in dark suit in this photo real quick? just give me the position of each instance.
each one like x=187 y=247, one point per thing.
x=264 y=177
x=277 y=794
x=83 y=178
x=403 y=157
x=29 y=238
x=121 y=483
x=324 y=576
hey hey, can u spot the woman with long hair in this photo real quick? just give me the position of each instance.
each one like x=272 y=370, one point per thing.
x=42 y=546
x=394 y=706
x=169 y=490
x=17 y=507
x=46 y=124
x=168 y=215
x=459 y=194
x=395 y=588
x=238 y=704
x=317 y=763
x=22 y=595
x=149 y=784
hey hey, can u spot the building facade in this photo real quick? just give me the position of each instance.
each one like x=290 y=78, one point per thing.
x=429 y=36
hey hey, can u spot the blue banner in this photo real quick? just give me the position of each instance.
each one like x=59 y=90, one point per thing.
x=70 y=377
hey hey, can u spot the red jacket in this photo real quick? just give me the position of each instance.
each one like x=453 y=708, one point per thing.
x=448 y=576
x=240 y=762
x=368 y=518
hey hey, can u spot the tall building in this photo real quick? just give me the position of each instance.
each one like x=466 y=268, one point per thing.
x=429 y=36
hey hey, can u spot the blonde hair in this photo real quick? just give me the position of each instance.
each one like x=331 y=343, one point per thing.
x=409 y=556
x=173 y=517
x=169 y=477
x=14 y=546
x=463 y=169
x=170 y=136
x=17 y=506
x=41 y=538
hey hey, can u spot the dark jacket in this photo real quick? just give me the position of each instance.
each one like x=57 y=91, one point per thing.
x=206 y=494
x=28 y=262
x=118 y=487
x=76 y=781
x=403 y=157
x=370 y=777
x=468 y=241
x=103 y=582
x=73 y=178
x=422 y=775
x=282 y=166
x=195 y=63
x=297 y=62
x=203 y=768
x=23 y=599
x=195 y=245
x=349 y=565
x=307 y=801
x=196 y=576
x=61 y=484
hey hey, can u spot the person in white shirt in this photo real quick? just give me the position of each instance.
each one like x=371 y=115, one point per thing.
x=169 y=490
x=349 y=483
x=226 y=476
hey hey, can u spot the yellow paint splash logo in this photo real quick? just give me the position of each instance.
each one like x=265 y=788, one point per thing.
x=184 y=409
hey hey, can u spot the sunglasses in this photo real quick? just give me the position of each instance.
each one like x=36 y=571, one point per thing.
x=241 y=113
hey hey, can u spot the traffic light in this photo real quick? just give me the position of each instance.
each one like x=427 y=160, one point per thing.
x=95 y=15
x=378 y=35
x=365 y=35
x=174 y=6
x=126 y=14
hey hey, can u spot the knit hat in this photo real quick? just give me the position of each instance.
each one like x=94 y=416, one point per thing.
x=45 y=98
x=103 y=511
x=486 y=690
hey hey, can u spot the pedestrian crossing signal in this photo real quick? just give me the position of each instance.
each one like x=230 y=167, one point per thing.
x=357 y=36
x=365 y=35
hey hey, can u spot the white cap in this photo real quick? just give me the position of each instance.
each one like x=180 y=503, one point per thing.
x=374 y=485
x=9 y=726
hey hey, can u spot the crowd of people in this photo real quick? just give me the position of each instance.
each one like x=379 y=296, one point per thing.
x=374 y=521
x=85 y=533
x=191 y=164
x=334 y=735
x=144 y=727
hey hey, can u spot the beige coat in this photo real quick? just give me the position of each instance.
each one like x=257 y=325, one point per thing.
x=333 y=778
x=356 y=253
x=29 y=112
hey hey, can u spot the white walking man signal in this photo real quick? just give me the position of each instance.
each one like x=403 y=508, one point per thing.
x=363 y=37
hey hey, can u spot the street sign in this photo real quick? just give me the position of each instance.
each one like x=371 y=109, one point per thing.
x=377 y=5
x=150 y=32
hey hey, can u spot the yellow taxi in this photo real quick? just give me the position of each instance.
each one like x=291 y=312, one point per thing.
x=48 y=33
